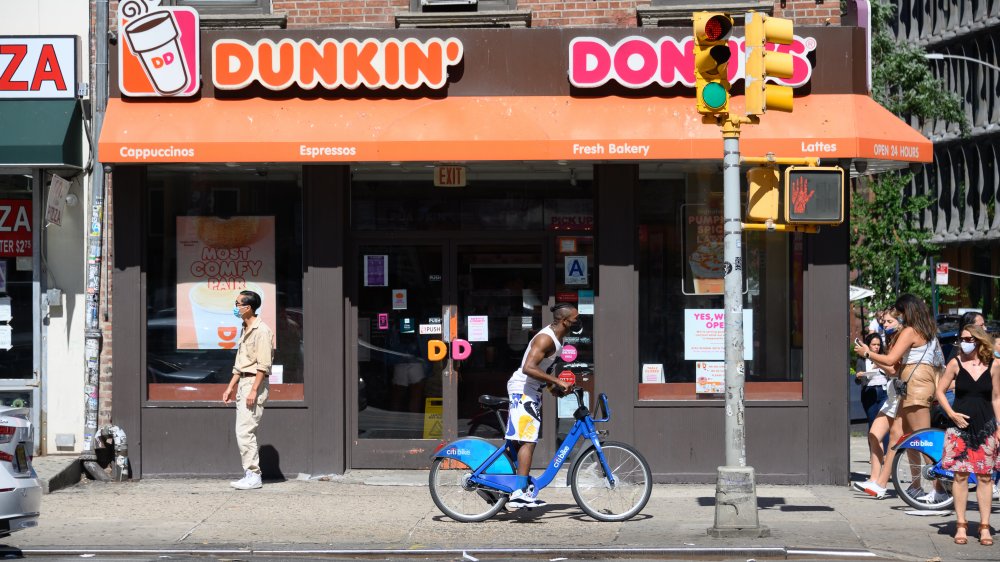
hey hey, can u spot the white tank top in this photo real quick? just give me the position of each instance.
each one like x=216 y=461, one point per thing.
x=520 y=383
x=921 y=354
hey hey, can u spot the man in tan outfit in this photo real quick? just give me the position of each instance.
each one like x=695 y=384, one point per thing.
x=249 y=385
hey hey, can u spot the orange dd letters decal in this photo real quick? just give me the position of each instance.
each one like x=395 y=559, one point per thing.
x=334 y=64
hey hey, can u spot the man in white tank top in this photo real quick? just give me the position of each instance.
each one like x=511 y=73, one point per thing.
x=525 y=391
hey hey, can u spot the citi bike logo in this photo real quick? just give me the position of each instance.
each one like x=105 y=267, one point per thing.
x=159 y=56
x=458 y=452
x=921 y=443
x=561 y=456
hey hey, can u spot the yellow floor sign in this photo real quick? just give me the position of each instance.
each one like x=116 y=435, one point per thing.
x=433 y=408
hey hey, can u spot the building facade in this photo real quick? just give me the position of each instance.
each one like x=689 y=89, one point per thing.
x=964 y=179
x=411 y=186
x=44 y=104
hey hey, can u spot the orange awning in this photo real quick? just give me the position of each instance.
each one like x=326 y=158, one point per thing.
x=490 y=129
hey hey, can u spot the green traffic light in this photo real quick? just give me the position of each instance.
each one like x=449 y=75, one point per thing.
x=714 y=95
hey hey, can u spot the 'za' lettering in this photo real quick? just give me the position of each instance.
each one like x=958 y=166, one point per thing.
x=20 y=220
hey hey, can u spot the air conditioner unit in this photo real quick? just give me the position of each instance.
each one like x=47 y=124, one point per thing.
x=448 y=2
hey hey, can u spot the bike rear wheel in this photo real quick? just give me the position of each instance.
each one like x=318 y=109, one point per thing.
x=912 y=479
x=458 y=498
x=606 y=501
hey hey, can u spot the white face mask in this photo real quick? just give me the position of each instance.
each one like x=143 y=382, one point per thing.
x=968 y=347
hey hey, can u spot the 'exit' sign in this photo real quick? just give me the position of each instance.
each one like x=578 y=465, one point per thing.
x=449 y=176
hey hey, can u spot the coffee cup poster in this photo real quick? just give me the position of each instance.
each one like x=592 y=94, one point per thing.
x=216 y=259
x=159 y=55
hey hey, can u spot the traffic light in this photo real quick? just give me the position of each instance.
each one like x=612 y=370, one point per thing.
x=814 y=195
x=760 y=63
x=764 y=183
x=711 y=59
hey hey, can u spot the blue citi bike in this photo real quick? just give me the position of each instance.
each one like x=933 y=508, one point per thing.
x=916 y=470
x=471 y=479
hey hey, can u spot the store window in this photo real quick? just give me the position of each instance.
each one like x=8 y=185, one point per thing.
x=224 y=6
x=681 y=271
x=211 y=234
x=16 y=274
x=461 y=5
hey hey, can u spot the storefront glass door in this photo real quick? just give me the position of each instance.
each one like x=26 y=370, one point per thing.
x=417 y=298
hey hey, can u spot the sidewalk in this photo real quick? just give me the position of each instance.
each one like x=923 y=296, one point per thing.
x=380 y=510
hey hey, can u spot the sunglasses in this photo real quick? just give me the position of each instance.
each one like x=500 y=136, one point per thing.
x=968 y=339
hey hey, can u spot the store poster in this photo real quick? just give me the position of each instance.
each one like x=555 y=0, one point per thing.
x=586 y=302
x=15 y=229
x=479 y=329
x=5 y=309
x=652 y=373
x=376 y=271
x=3 y=276
x=399 y=301
x=704 y=271
x=704 y=334
x=6 y=337
x=710 y=377
x=216 y=259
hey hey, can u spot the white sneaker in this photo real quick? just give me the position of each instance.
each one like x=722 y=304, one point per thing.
x=250 y=481
x=996 y=491
x=520 y=498
x=933 y=497
x=860 y=486
x=874 y=490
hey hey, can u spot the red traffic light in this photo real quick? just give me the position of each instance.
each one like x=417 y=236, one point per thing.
x=717 y=27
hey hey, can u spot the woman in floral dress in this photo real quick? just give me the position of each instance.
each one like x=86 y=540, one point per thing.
x=972 y=445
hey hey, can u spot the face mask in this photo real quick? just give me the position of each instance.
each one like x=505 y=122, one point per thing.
x=969 y=347
x=236 y=312
x=576 y=328
x=996 y=354
x=890 y=331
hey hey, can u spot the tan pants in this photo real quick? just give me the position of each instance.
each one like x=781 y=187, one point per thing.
x=247 y=422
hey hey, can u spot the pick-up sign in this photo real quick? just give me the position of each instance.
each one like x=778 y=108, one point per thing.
x=37 y=67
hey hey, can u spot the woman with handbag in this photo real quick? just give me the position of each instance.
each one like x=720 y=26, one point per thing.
x=971 y=446
x=917 y=350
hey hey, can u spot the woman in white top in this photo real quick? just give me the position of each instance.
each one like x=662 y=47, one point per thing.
x=917 y=351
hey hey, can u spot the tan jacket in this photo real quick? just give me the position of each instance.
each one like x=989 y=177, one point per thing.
x=256 y=349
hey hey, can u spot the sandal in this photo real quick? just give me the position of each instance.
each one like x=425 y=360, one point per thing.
x=988 y=539
x=961 y=526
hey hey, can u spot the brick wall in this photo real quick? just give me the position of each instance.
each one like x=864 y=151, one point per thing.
x=582 y=13
x=340 y=13
x=810 y=12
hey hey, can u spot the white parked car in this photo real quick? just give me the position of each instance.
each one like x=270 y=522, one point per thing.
x=20 y=491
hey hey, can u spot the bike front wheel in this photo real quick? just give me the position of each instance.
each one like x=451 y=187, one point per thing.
x=611 y=499
x=459 y=498
x=913 y=479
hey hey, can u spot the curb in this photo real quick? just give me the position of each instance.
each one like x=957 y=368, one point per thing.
x=67 y=476
x=666 y=553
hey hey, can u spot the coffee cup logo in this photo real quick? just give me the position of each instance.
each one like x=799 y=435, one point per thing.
x=159 y=56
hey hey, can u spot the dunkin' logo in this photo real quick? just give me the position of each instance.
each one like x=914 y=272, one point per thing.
x=637 y=62
x=159 y=54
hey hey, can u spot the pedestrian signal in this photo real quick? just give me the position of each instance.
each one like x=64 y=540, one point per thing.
x=814 y=195
x=760 y=63
x=711 y=62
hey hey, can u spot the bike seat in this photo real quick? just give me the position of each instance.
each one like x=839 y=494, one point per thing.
x=494 y=402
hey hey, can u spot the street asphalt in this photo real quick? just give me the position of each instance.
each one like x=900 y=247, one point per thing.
x=390 y=515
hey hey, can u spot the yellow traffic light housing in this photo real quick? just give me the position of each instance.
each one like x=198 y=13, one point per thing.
x=760 y=63
x=814 y=195
x=711 y=62
x=764 y=183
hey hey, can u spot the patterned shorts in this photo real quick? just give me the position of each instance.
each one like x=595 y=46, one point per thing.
x=524 y=419
x=960 y=457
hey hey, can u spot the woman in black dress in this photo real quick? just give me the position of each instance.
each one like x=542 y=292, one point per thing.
x=972 y=445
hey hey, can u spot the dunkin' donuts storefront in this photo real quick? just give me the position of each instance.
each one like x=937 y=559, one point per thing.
x=410 y=203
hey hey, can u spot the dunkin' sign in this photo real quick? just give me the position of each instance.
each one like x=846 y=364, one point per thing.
x=637 y=62
x=159 y=54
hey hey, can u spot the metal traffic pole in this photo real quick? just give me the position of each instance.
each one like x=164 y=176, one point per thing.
x=735 y=488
